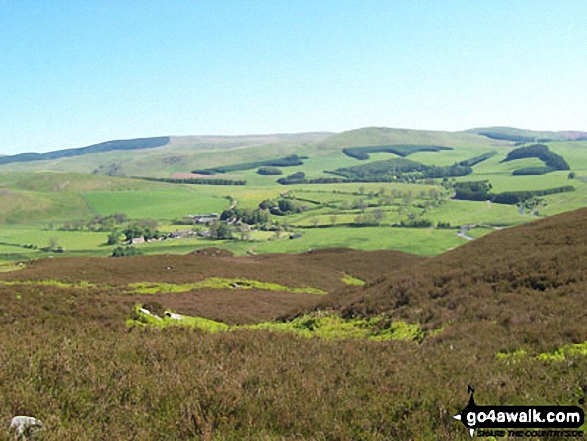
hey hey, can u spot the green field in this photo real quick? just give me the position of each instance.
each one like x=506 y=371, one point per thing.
x=414 y=240
x=159 y=204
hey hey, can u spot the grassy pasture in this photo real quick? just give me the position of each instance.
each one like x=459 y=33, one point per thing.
x=161 y=204
x=477 y=212
x=66 y=182
x=423 y=241
x=414 y=240
x=27 y=206
x=36 y=235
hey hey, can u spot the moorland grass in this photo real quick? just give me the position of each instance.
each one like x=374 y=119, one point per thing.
x=218 y=283
x=326 y=326
x=350 y=280
x=68 y=359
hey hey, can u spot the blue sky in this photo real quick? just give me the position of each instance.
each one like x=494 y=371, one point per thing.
x=74 y=73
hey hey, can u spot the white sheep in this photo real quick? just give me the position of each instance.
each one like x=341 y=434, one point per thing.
x=147 y=312
x=173 y=315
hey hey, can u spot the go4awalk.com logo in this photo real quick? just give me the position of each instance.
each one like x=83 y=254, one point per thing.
x=545 y=421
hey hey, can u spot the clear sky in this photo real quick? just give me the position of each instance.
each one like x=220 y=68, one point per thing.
x=74 y=73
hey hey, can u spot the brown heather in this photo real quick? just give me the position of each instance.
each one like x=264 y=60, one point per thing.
x=67 y=358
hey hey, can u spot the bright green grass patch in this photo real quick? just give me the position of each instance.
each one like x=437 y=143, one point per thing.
x=36 y=235
x=329 y=327
x=560 y=354
x=219 y=283
x=350 y=280
x=333 y=327
x=143 y=320
x=56 y=283
x=572 y=350
x=9 y=266
x=511 y=357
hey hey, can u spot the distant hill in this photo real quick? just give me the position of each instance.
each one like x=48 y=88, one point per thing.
x=109 y=146
x=376 y=136
x=162 y=157
x=523 y=136
x=179 y=153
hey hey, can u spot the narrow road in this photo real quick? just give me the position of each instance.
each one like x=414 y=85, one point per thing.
x=465 y=236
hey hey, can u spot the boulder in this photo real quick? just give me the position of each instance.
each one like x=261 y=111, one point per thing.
x=25 y=427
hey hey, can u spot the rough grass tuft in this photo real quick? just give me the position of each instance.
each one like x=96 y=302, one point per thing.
x=218 y=283
x=325 y=326
x=350 y=280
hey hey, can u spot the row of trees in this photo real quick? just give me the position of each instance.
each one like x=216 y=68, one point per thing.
x=480 y=191
x=199 y=181
x=288 y=161
x=97 y=223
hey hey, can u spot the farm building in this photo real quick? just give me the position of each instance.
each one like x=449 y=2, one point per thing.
x=203 y=218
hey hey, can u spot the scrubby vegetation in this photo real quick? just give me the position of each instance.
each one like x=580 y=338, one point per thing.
x=403 y=150
x=126 y=251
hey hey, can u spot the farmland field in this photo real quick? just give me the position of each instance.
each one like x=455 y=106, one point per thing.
x=159 y=204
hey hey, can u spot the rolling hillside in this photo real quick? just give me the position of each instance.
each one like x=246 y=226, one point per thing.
x=371 y=188
x=504 y=314
x=525 y=281
x=185 y=153
x=519 y=135
x=165 y=156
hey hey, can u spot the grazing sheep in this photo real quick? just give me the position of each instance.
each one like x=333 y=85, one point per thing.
x=25 y=427
x=147 y=312
x=173 y=315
